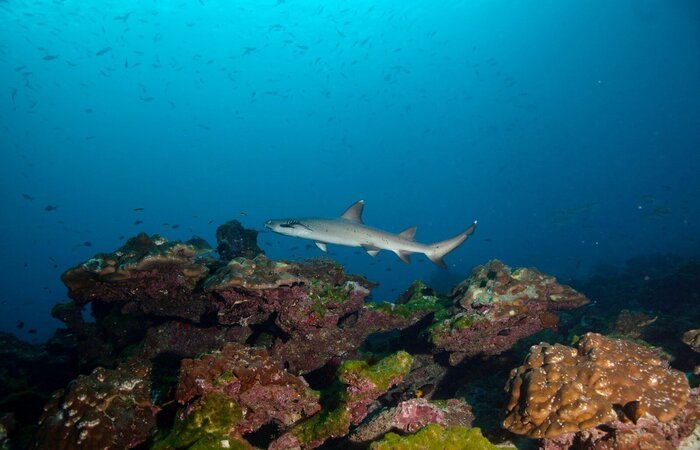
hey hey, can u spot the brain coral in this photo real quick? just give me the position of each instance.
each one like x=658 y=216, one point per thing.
x=561 y=389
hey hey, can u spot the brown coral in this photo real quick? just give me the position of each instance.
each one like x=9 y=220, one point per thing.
x=106 y=409
x=561 y=389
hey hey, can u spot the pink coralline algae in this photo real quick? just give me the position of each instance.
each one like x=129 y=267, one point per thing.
x=360 y=383
x=147 y=274
x=497 y=306
x=320 y=309
x=258 y=384
x=411 y=415
x=107 y=409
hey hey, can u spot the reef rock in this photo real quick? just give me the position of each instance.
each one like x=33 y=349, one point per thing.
x=495 y=307
x=562 y=390
x=233 y=241
x=360 y=383
x=631 y=324
x=147 y=274
x=320 y=311
x=257 y=383
x=107 y=409
x=436 y=436
x=411 y=415
x=692 y=338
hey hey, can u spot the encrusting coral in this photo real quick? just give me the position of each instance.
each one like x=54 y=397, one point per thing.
x=106 y=409
x=561 y=390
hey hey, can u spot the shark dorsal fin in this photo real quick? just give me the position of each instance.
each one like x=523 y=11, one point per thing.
x=409 y=233
x=354 y=213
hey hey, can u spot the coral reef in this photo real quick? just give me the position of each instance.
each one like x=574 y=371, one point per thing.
x=106 y=409
x=436 y=437
x=562 y=390
x=191 y=351
x=496 y=306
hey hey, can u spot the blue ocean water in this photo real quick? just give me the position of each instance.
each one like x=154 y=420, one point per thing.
x=570 y=130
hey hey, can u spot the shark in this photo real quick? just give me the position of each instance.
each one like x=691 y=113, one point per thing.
x=349 y=230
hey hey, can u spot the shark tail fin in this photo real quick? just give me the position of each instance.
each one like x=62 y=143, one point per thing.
x=439 y=249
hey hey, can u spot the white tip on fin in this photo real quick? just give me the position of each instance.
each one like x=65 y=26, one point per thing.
x=322 y=246
x=409 y=233
x=354 y=213
x=371 y=251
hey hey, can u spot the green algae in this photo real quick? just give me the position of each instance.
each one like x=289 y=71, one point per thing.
x=436 y=437
x=205 y=428
x=382 y=374
x=324 y=294
x=463 y=321
x=334 y=419
x=420 y=300
x=327 y=423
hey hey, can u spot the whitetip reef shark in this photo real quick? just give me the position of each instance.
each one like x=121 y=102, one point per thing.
x=349 y=230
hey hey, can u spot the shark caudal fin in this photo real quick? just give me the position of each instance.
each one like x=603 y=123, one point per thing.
x=440 y=249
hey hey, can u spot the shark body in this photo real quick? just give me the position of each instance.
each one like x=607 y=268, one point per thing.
x=349 y=230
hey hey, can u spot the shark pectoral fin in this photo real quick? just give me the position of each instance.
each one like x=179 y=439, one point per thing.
x=354 y=213
x=322 y=246
x=371 y=250
x=408 y=233
x=405 y=256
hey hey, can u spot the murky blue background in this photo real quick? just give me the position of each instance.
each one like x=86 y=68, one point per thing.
x=570 y=130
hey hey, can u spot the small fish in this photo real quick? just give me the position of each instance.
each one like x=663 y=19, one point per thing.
x=50 y=208
x=147 y=99
x=51 y=259
x=121 y=237
x=27 y=197
x=210 y=222
x=87 y=244
x=31 y=331
x=138 y=222
x=14 y=95
x=138 y=209
x=49 y=57
x=243 y=213
x=123 y=18
x=175 y=226
x=103 y=51
x=20 y=324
